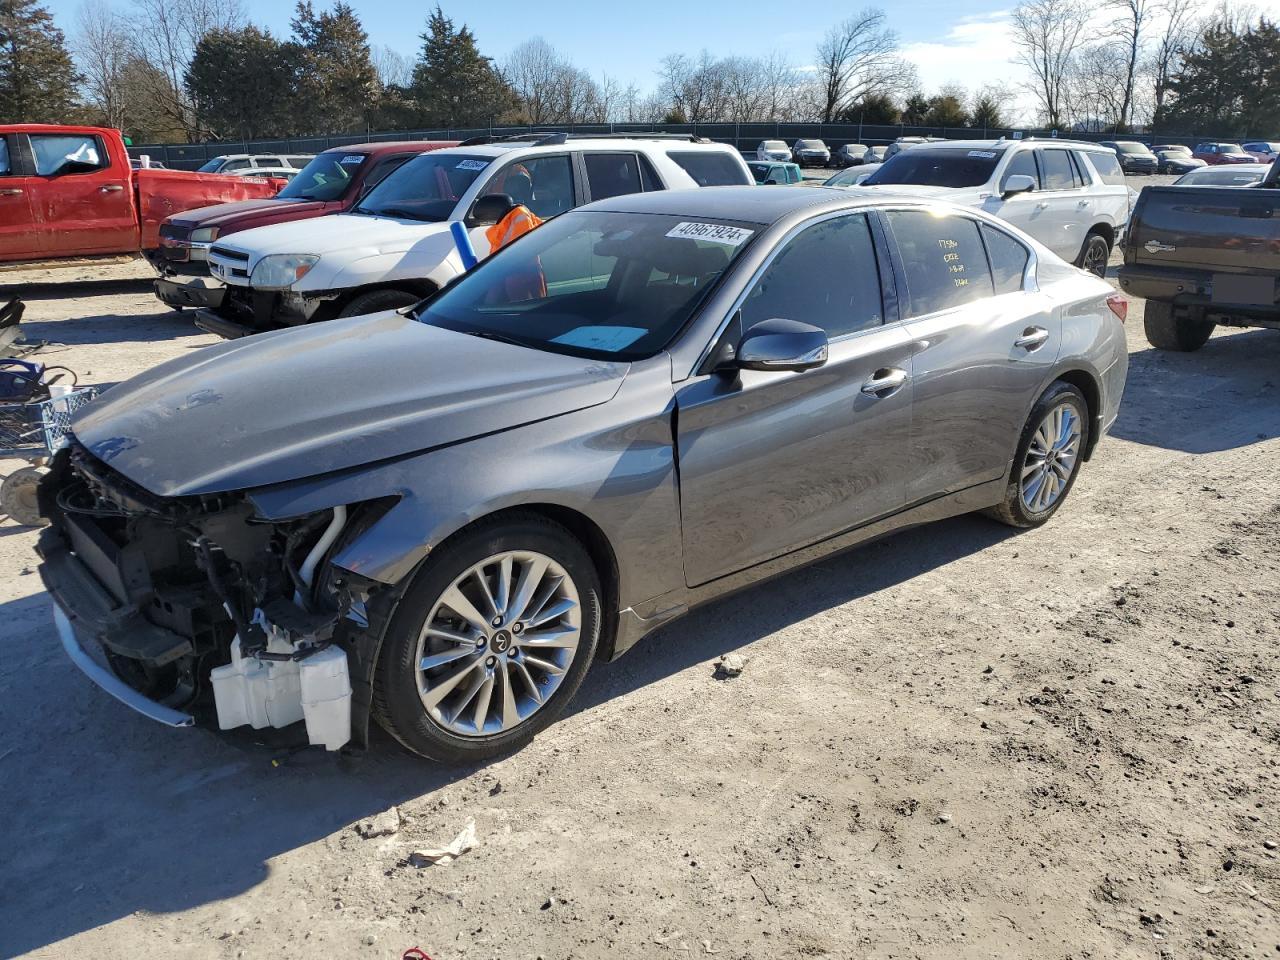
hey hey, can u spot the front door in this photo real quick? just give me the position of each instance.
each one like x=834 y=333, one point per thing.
x=83 y=204
x=773 y=461
x=984 y=344
x=18 y=235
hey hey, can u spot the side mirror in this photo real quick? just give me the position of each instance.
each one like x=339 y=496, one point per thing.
x=782 y=345
x=489 y=209
x=1016 y=184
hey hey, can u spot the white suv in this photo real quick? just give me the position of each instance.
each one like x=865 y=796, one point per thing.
x=395 y=247
x=1070 y=196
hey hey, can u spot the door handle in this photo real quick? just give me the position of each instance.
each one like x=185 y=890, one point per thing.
x=1032 y=338
x=884 y=382
x=1083 y=203
x=1042 y=206
x=11 y=192
x=110 y=188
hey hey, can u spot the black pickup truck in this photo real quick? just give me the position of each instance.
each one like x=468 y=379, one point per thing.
x=1203 y=256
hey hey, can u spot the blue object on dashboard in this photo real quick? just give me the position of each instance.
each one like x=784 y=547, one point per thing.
x=462 y=240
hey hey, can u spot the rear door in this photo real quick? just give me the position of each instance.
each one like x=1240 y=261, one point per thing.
x=82 y=201
x=983 y=346
x=611 y=174
x=19 y=239
x=771 y=461
x=1061 y=193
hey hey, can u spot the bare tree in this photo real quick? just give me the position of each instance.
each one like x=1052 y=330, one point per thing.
x=854 y=58
x=1047 y=34
x=1173 y=40
x=1094 y=87
x=165 y=35
x=1129 y=30
x=102 y=47
x=393 y=67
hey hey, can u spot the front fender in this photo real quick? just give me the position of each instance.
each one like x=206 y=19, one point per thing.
x=614 y=464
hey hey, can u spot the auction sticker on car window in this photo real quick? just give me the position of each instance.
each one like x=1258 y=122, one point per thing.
x=711 y=232
x=601 y=338
x=353 y=158
x=983 y=154
x=472 y=164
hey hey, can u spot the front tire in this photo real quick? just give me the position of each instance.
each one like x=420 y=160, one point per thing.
x=1048 y=459
x=1166 y=330
x=377 y=301
x=491 y=640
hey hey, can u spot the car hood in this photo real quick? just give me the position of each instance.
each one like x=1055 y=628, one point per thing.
x=221 y=213
x=297 y=403
x=353 y=235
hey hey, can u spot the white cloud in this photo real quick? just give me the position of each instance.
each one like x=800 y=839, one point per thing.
x=975 y=51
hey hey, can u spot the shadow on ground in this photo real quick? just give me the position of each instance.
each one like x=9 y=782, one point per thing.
x=182 y=818
x=54 y=290
x=156 y=327
x=1176 y=400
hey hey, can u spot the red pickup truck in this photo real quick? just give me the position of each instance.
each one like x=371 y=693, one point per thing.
x=70 y=191
x=332 y=182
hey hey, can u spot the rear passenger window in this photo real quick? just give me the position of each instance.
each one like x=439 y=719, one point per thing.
x=1024 y=164
x=1008 y=259
x=1082 y=170
x=612 y=174
x=4 y=157
x=711 y=169
x=648 y=176
x=1058 y=174
x=1108 y=167
x=825 y=276
x=944 y=260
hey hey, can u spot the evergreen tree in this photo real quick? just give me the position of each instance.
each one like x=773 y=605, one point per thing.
x=915 y=110
x=337 y=85
x=454 y=85
x=987 y=112
x=946 y=110
x=37 y=79
x=875 y=109
x=1228 y=83
x=242 y=84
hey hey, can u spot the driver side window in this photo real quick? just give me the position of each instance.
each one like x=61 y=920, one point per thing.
x=68 y=153
x=543 y=184
x=1023 y=163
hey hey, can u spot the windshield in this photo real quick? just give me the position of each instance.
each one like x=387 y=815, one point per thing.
x=609 y=286
x=211 y=166
x=938 y=168
x=426 y=188
x=810 y=145
x=1230 y=148
x=774 y=145
x=1220 y=177
x=848 y=178
x=1132 y=148
x=324 y=178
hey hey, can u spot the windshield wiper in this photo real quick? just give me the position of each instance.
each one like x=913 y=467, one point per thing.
x=398 y=212
x=500 y=337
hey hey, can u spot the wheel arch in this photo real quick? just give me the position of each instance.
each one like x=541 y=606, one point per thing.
x=415 y=286
x=1087 y=384
x=1105 y=230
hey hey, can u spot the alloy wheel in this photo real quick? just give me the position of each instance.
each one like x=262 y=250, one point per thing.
x=1052 y=457
x=498 y=643
x=1096 y=256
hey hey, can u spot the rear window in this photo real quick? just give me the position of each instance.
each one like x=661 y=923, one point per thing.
x=944 y=259
x=1108 y=167
x=711 y=169
x=932 y=167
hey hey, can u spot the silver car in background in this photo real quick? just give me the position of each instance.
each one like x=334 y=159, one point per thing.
x=446 y=514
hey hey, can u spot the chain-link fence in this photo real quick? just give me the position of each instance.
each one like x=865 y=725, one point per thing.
x=744 y=136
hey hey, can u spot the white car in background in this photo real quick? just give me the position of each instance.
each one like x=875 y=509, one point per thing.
x=396 y=247
x=1071 y=196
x=811 y=153
x=240 y=162
x=773 y=150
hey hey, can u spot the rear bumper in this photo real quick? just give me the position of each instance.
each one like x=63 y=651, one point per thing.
x=1188 y=288
x=198 y=292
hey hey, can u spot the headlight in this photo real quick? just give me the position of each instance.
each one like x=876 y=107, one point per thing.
x=204 y=235
x=281 y=271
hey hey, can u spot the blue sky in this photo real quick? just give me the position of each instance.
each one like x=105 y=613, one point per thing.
x=956 y=40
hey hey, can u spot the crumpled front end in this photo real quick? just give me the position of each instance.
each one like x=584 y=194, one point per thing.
x=204 y=613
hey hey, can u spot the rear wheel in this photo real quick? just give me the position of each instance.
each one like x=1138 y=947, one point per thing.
x=1166 y=329
x=1048 y=458
x=378 y=300
x=490 y=642
x=1094 y=255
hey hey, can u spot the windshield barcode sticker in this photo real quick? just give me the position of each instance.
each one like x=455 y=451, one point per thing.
x=711 y=232
x=353 y=158
x=472 y=164
x=984 y=154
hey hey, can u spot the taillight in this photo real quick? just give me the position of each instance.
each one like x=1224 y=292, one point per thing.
x=1119 y=306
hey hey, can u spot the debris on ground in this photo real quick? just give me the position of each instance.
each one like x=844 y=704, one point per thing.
x=730 y=665
x=385 y=824
x=463 y=842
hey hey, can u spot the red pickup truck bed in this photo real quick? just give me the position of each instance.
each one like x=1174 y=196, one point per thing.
x=68 y=191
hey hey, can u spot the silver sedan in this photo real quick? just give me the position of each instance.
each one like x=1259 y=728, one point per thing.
x=443 y=516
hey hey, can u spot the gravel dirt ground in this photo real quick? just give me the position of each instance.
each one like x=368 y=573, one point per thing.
x=961 y=742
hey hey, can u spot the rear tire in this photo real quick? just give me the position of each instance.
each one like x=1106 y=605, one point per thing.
x=377 y=301
x=1166 y=330
x=1094 y=255
x=435 y=710
x=1051 y=448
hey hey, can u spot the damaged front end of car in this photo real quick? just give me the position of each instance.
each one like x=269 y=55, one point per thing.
x=206 y=612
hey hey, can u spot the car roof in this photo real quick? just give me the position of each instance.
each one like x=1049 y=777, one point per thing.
x=393 y=146
x=752 y=204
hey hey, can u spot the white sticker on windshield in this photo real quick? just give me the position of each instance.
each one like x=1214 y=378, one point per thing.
x=353 y=158
x=711 y=232
x=612 y=339
x=984 y=154
x=472 y=164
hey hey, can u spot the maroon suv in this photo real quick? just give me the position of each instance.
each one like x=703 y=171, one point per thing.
x=332 y=182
